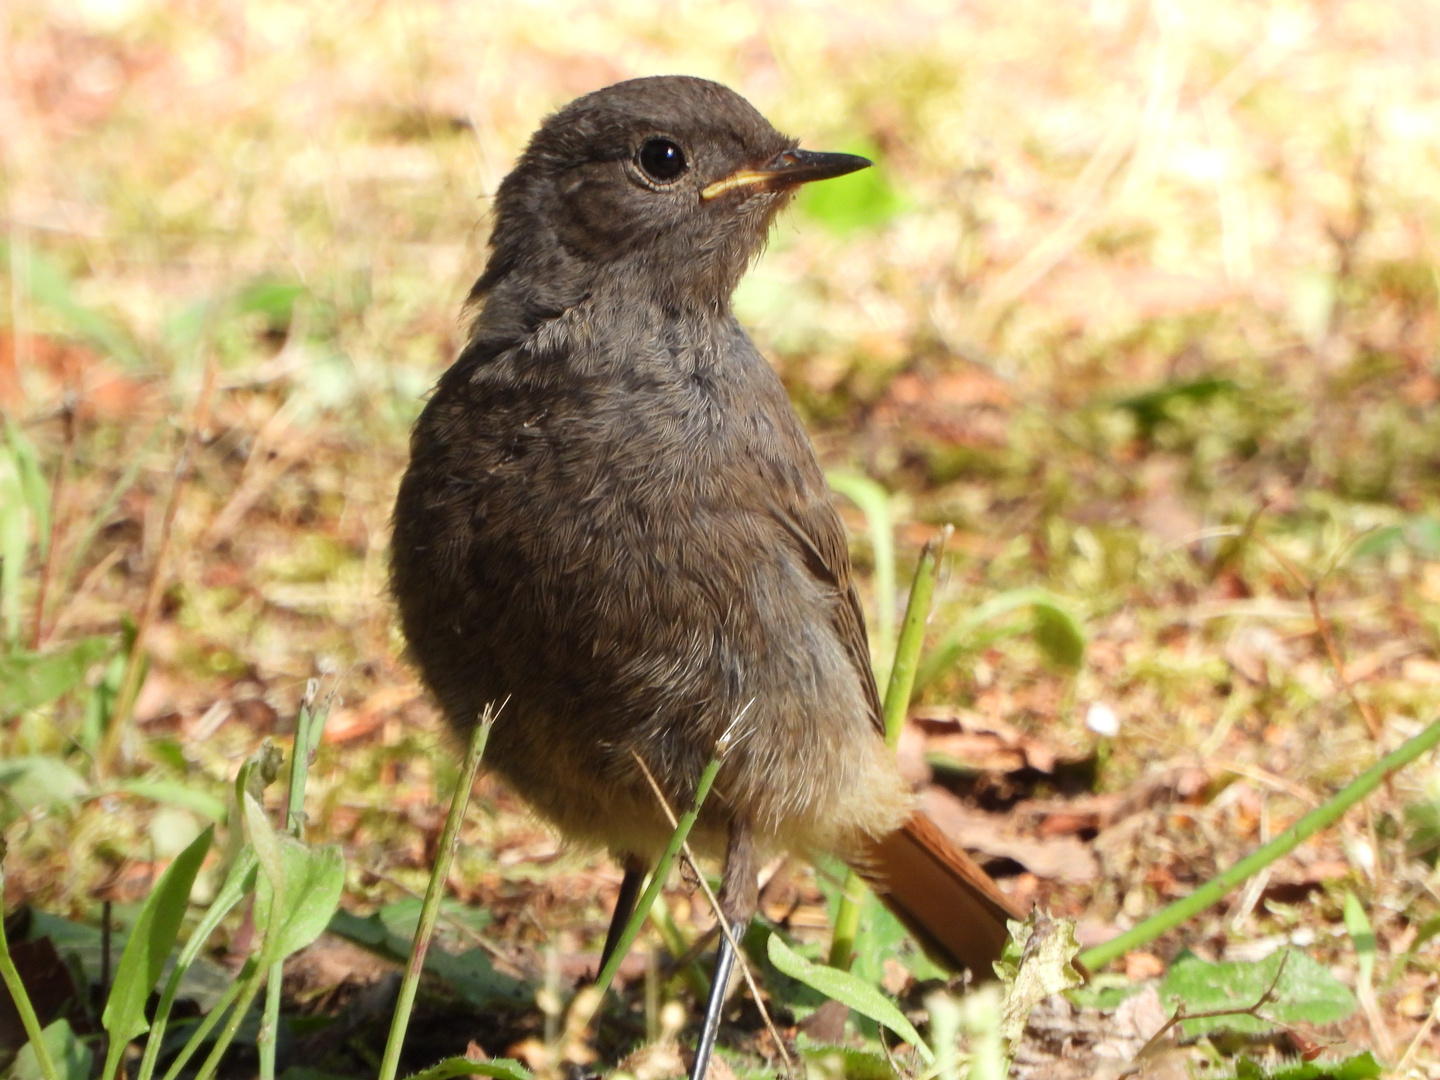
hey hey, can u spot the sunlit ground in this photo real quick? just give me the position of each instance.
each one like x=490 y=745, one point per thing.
x=1141 y=297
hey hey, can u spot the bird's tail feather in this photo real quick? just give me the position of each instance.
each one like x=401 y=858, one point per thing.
x=954 y=909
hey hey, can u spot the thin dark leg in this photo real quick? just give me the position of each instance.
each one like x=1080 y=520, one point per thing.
x=624 y=905
x=715 y=1005
x=737 y=904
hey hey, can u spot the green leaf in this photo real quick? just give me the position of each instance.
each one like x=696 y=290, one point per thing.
x=34 y=488
x=1362 y=935
x=1057 y=631
x=391 y=930
x=149 y=946
x=29 y=679
x=1357 y=1067
x=175 y=793
x=71 y=1056
x=1378 y=543
x=1059 y=636
x=1154 y=407
x=50 y=287
x=14 y=542
x=826 y=1062
x=847 y=989
x=1306 y=992
x=299 y=887
x=500 y=1068
x=39 y=780
x=275 y=300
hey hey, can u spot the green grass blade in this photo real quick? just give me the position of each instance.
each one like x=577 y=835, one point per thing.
x=848 y=989
x=148 y=948
x=1317 y=819
x=897 y=704
x=434 y=893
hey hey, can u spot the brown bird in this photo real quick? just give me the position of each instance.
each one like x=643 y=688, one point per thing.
x=613 y=519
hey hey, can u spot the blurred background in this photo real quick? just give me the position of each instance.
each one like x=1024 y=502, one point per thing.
x=1141 y=297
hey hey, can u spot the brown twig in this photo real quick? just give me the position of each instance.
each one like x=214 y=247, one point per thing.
x=1322 y=626
x=1253 y=1010
x=47 y=568
x=130 y=684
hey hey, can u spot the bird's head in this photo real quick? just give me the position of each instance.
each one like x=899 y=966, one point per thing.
x=667 y=184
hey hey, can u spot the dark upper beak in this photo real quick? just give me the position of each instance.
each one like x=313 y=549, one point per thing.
x=786 y=169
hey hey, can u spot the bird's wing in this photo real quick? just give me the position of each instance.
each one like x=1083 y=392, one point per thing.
x=820 y=535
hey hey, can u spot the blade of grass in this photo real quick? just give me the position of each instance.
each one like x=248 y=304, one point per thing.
x=875 y=503
x=241 y=993
x=11 y=978
x=662 y=868
x=308 y=727
x=238 y=883
x=897 y=704
x=1322 y=816
x=145 y=954
x=430 y=910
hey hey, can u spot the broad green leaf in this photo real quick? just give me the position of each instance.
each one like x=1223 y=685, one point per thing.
x=1378 y=543
x=175 y=793
x=500 y=1069
x=1059 y=636
x=306 y=882
x=29 y=680
x=826 y=1062
x=1306 y=993
x=1153 y=407
x=273 y=299
x=849 y=990
x=71 y=1056
x=1357 y=1067
x=151 y=940
x=40 y=780
x=391 y=930
x=266 y=843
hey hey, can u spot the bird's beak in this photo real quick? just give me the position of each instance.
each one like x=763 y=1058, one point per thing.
x=787 y=169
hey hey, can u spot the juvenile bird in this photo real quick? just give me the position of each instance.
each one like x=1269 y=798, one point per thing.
x=613 y=520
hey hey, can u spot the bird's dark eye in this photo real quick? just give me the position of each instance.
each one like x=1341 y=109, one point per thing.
x=661 y=160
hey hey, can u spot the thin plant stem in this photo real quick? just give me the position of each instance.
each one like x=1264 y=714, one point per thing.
x=11 y=977
x=723 y=923
x=430 y=909
x=249 y=990
x=57 y=487
x=213 y=1017
x=1322 y=816
x=666 y=861
x=308 y=726
x=912 y=636
x=239 y=882
x=897 y=704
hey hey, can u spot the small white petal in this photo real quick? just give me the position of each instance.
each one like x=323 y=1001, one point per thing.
x=1101 y=719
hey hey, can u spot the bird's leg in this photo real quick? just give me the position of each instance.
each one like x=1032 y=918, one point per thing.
x=738 y=900
x=635 y=869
